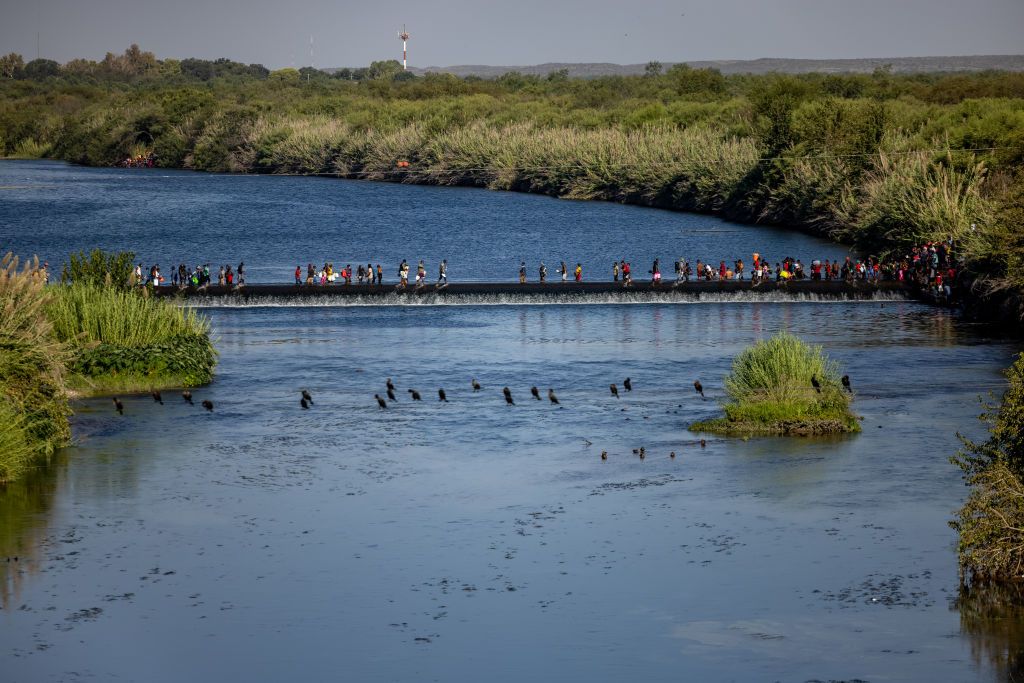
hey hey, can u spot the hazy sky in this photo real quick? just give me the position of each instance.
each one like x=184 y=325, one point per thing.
x=446 y=32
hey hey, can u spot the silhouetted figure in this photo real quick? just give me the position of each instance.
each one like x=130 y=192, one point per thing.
x=208 y=404
x=672 y=455
x=476 y=385
x=816 y=384
x=118 y=406
x=304 y=403
x=441 y=395
x=508 y=396
x=391 y=387
x=604 y=455
x=642 y=453
x=699 y=388
x=391 y=394
x=628 y=384
x=703 y=443
x=157 y=397
x=187 y=395
x=615 y=391
x=552 y=397
x=415 y=394
x=846 y=383
x=535 y=393
x=381 y=402
x=307 y=397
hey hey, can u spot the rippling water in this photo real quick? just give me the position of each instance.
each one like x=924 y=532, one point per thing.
x=471 y=539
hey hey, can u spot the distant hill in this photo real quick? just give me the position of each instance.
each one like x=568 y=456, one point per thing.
x=754 y=66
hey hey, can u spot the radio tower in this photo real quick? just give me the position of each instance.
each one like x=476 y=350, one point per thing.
x=404 y=35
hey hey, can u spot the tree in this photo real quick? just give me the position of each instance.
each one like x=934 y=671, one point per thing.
x=11 y=65
x=384 y=70
x=776 y=102
x=80 y=68
x=138 y=62
x=258 y=71
x=688 y=81
x=41 y=69
x=309 y=73
x=559 y=76
x=285 y=75
x=653 y=69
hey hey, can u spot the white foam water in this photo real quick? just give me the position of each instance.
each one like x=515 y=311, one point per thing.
x=626 y=298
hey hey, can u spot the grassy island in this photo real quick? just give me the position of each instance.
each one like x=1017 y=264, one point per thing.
x=91 y=337
x=771 y=391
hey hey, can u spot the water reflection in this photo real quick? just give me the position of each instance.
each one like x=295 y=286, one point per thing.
x=25 y=515
x=992 y=617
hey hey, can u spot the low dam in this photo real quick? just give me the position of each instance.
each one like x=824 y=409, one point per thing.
x=550 y=292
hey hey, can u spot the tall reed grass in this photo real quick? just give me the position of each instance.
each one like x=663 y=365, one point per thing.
x=83 y=315
x=33 y=405
x=124 y=341
x=770 y=389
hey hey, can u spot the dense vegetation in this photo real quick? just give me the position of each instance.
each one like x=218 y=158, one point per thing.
x=33 y=404
x=87 y=338
x=991 y=522
x=771 y=391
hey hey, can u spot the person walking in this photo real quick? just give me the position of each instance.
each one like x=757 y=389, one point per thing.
x=380 y=275
x=442 y=272
x=522 y=272
x=543 y=273
x=240 y=273
x=564 y=270
x=615 y=271
x=579 y=273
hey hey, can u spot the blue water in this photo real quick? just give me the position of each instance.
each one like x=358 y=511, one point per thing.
x=470 y=539
x=274 y=223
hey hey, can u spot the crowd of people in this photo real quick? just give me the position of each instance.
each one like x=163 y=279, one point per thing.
x=139 y=161
x=930 y=266
x=184 y=276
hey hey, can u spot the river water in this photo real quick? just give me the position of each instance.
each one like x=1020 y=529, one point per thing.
x=472 y=539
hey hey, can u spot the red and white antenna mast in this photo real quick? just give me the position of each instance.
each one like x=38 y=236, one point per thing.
x=404 y=35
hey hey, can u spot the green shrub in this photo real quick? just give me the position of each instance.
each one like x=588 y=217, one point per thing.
x=100 y=269
x=771 y=390
x=991 y=521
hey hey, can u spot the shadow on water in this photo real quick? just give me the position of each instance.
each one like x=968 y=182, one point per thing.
x=992 y=618
x=25 y=518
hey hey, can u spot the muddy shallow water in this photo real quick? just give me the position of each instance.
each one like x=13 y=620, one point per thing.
x=474 y=540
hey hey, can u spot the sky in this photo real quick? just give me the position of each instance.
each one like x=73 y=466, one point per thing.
x=510 y=32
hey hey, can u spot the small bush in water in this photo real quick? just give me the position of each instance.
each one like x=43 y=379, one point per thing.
x=771 y=391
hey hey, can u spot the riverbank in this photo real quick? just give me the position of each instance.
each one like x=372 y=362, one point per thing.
x=81 y=340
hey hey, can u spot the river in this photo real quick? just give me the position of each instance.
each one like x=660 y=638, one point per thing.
x=470 y=539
